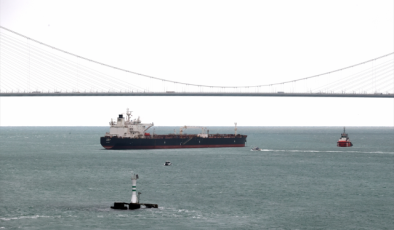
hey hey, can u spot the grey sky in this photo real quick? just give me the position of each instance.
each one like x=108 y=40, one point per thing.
x=208 y=42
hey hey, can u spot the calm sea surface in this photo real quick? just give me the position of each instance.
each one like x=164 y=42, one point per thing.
x=61 y=178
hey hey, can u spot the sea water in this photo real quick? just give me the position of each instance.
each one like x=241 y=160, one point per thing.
x=62 y=178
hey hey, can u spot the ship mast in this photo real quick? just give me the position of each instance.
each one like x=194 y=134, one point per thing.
x=235 y=129
x=128 y=113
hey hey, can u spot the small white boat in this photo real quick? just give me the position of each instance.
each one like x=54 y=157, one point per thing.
x=167 y=163
x=255 y=149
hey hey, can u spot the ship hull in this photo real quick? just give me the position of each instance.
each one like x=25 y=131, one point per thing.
x=344 y=144
x=173 y=143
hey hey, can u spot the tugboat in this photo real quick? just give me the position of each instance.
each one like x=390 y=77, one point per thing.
x=344 y=140
x=167 y=163
x=255 y=149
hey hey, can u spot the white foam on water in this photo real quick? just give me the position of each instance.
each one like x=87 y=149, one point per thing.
x=28 y=217
x=379 y=152
x=320 y=151
x=307 y=151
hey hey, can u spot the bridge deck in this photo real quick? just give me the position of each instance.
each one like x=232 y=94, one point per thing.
x=183 y=94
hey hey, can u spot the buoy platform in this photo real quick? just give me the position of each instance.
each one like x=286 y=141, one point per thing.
x=131 y=206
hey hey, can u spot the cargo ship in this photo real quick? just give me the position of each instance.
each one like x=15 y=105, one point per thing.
x=344 y=140
x=126 y=133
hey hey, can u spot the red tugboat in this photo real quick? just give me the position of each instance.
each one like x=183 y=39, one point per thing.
x=344 y=140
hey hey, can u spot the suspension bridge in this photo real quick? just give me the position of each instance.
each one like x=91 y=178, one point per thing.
x=32 y=68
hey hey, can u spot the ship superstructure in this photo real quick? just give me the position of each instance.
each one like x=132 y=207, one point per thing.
x=131 y=134
x=127 y=128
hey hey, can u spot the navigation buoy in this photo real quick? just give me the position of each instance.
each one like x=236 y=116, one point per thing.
x=134 y=204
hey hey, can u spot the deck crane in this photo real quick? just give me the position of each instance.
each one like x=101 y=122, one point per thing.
x=204 y=131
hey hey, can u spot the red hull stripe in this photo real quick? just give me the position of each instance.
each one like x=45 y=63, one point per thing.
x=344 y=144
x=173 y=146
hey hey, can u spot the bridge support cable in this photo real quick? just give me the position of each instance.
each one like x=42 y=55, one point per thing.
x=39 y=73
x=362 y=78
x=28 y=65
x=56 y=65
x=370 y=85
x=68 y=68
x=365 y=82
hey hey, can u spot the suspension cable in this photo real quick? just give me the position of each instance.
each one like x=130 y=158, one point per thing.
x=148 y=76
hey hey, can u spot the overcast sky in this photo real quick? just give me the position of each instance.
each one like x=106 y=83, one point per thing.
x=211 y=43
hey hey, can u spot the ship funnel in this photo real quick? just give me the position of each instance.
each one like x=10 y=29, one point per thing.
x=120 y=120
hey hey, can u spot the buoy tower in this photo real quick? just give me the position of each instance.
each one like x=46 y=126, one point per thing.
x=134 y=178
x=134 y=204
